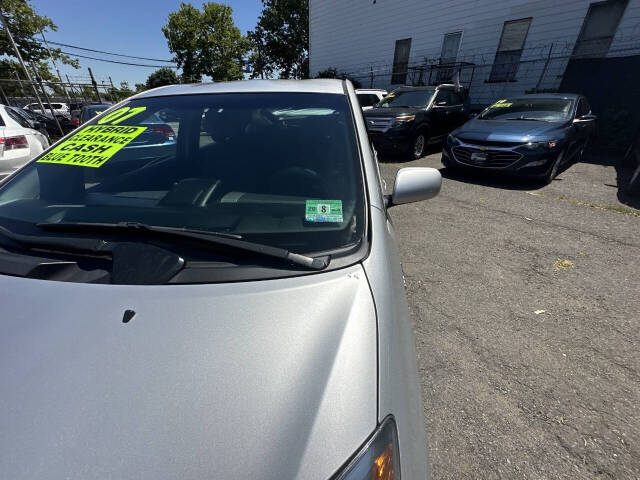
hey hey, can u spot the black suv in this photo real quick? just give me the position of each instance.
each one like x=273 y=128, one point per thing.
x=410 y=118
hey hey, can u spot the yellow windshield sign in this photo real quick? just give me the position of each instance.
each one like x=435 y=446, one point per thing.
x=92 y=146
x=501 y=103
x=121 y=115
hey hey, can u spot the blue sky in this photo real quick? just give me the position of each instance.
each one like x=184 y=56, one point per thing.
x=132 y=27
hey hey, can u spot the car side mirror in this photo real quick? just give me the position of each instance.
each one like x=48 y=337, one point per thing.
x=414 y=184
x=589 y=117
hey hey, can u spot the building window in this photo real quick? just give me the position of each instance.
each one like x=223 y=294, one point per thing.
x=401 y=61
x=449 y=55
x=505 y=65
x=598 y=29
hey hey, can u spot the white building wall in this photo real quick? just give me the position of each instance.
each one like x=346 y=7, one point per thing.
x=358 y=36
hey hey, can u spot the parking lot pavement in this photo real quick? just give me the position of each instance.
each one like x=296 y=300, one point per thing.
x=526 y=310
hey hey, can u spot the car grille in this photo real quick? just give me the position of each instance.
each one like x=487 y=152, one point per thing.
x=495 y=158
x=378 y=124
x=489 y=143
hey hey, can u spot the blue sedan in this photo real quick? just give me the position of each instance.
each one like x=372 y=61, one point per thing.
x=532 y=135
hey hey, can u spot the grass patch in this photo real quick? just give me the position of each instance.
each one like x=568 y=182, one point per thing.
x=562 y=265
x=609 y=208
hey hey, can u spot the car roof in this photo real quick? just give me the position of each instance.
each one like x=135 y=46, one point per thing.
x=333 y=86
x=572 y=96
x=369 y=90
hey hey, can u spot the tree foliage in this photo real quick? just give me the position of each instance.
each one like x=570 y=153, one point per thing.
x=25 y=26
x=280 y=40
x=206 y=42
x=161 y=77
x=332 y=72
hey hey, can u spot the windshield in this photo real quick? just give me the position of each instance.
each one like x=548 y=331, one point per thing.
x=96 y=110
x=281 y=169
x=545 y=109
x=407 y=98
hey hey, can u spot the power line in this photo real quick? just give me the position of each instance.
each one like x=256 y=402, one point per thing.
x=109 y=53
x=116 y=61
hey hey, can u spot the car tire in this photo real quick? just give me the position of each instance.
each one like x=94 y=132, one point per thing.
x=419 y=145
x=554 y=169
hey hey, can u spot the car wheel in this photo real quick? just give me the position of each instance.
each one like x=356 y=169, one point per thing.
x=419 y=145
x=554 y=169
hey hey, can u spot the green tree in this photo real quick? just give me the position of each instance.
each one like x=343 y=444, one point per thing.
x=206 y=42
x=125 y=90
x=280 y=40
x=25 y=26
x=332 y=72
x=140 y=87
x=161 y=77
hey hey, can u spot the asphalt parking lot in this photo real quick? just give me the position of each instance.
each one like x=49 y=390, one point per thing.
x=526 y=310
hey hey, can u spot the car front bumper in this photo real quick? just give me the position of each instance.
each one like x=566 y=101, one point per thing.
x=391 y=141
x=514 y=161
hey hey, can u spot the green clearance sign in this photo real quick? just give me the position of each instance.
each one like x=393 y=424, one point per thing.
x=92 y=146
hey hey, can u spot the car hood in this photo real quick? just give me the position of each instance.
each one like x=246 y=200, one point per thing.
x=508 y=130
x=271 y=379
x=392 y=112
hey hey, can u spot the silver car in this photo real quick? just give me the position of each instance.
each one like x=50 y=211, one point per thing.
x=228 y=306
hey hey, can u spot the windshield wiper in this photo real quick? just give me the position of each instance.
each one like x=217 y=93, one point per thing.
x=525 y=118
x=210 y=238
x=80 y=245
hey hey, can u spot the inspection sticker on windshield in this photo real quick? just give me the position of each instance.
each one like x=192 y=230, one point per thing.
x=323 y=211
x=92 y=146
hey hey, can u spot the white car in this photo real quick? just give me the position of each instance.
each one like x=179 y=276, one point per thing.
x=60 y=109
x=370 y=97
x=19 y=143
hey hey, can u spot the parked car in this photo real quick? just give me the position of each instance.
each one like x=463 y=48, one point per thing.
x=59 y=109
x=19 y=141
x=230 y=308
x=410 y=118
x=48 y=125
x=368 y=98
x=89 y=111
x=533 y=135
x=631 y=159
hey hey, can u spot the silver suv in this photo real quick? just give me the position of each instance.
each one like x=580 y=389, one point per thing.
x=229 y=304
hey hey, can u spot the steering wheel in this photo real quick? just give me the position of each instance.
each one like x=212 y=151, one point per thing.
x=297 y=182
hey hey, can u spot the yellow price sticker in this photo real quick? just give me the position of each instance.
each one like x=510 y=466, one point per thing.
x=92 y=146
x=121 y=115
x=501 y=103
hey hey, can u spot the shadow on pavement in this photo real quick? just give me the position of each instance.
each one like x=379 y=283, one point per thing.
x=396 y=158
x=627 y=172
x=491 y=179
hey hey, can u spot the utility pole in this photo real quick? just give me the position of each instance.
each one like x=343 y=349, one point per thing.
x=55 y=65
x=95 y=85
x=24 y=67
x=46 y=96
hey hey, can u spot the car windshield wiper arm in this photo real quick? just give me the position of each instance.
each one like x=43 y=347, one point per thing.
x=526 y=118
x=211 y=238
x=56 y=243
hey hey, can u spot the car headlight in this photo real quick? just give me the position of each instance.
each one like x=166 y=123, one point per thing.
x=452 y=140
x=378 y=459
x=402 y=119
x=540 y=145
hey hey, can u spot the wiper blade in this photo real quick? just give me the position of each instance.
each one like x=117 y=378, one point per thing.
x=208 y=237
x=67 y=244
x=525 y=118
